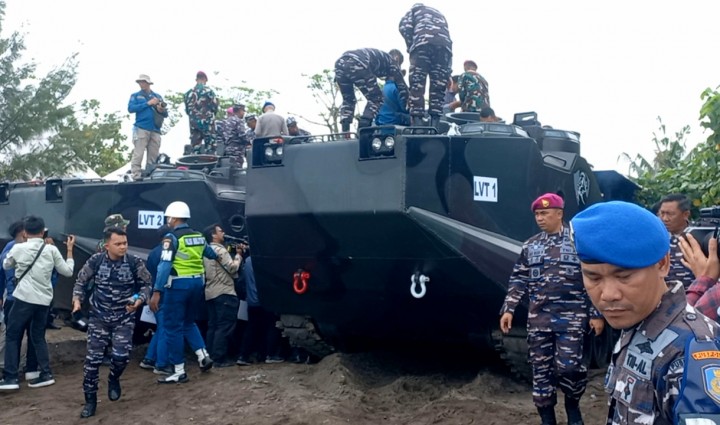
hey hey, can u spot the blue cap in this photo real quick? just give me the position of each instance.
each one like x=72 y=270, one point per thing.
x=266 y=104
x=621 y=234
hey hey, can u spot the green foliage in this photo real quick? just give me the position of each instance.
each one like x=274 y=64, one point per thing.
x=41 y=136
x=675 y=170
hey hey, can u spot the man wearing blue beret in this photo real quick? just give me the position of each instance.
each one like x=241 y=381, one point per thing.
x=548 y=270
x=666 y=366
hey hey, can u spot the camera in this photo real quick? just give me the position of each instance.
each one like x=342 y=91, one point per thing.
x=45 y=234
x=706 y=227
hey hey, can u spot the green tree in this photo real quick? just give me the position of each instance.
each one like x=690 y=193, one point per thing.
x=674 y=170
x=40 y=134
x=327 y=94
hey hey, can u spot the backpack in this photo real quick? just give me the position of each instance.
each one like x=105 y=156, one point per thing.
x=96 y=260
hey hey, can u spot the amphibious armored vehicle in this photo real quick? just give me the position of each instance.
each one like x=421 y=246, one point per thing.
x=407 y=234
x=214 y=188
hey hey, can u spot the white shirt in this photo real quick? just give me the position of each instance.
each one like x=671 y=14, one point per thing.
x=36 y=287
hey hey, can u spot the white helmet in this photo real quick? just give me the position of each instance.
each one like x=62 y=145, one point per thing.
x=177 y=209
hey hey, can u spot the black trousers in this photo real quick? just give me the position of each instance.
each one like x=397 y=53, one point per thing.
x=261 y=335
x=222 y=315
x=23 y=314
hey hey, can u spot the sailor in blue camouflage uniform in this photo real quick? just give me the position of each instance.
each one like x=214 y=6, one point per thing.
x=251 y=121
x=665 y=368
x=235 y=134
x=427 y=37
x=548 y=271
x=121 y=285
x=361 y=68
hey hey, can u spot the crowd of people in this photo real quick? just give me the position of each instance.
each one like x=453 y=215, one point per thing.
x=613 y=263
x=187 y=272
x=645 y=276
x=429 y=46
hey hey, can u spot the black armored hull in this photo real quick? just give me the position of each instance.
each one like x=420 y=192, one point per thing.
x=347 y=236
x=79 y=207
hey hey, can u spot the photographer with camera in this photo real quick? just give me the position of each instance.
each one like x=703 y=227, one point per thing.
x=150 y=110
x=34 y=261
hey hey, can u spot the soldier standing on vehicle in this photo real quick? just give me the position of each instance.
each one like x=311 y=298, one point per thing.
x=235 y=134
x=179 y=281
x=251 y=121
x=360 y=69
x=548 y=271
x=270 y=123
x=427 y=37
x=473 y=89
x=674 y=212
x=201 y=105
x=121 y=286
x=666 y=365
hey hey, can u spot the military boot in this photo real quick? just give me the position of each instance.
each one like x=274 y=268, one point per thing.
x=435 y=122
x=114 y=389
x=364 y=122
x=345 y=127
x=547 y=415
x=572 y=408
x=90 y=405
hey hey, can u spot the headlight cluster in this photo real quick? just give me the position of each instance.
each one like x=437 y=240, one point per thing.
x=383 y=146
x=274 y=151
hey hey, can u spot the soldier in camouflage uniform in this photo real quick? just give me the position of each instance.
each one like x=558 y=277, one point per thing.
x=674 y=211
x=654 y=376
x=473 y=89
x=201 y=105
x=251 y=121
x=427 y=37
x=122 y=284
x=361 y=68
x=548 y=270
x=295 y=131
x=235 y=134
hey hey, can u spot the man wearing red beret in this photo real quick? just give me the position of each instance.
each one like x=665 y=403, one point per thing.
x=548 y=271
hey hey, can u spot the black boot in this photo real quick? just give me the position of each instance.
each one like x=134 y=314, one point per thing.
x=572 y=408
x=345 y=124
x=114 y=389
x=364 y=122
x=547 y=415
x=90 y=405
x=435 y=122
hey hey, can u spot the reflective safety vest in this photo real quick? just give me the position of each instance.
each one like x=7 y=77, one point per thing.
x=699 y=399
x=188 y=259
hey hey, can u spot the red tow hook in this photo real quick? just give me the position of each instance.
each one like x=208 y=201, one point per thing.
x=300 y=281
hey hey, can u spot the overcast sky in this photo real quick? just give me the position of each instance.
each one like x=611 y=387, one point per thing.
x=606 y=69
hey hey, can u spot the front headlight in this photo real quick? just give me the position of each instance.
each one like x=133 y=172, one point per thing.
x=268 y=152
x=279 y=150
x=389 y=142
x=376 y=144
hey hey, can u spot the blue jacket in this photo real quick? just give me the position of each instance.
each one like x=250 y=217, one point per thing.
x=251 y=294
x=144 y=114
x=392 y=110
x=153 y=260
x=7 y=275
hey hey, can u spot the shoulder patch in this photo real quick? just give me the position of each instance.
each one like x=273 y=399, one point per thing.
x=711 y=378
x=166 y=244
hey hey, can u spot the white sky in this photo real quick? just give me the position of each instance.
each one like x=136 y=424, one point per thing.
x=606 y=69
